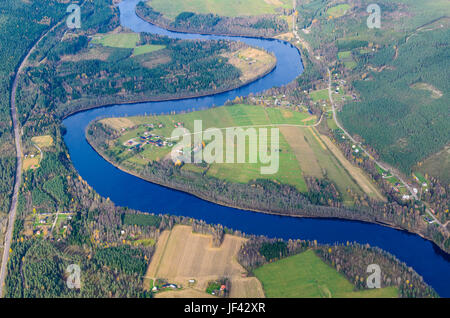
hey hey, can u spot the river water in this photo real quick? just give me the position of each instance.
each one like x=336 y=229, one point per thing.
x=126 y=190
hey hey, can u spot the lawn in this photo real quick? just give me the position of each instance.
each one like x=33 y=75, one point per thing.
x=230 y=8
x=305 y=275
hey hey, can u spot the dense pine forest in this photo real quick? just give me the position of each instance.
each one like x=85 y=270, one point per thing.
x=404 y=123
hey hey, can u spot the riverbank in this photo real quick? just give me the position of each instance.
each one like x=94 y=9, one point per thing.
x=127 y=190
x=328 y=212
x=166 y=98
x=165 y=24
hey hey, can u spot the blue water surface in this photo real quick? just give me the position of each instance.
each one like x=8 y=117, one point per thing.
x=126 y=190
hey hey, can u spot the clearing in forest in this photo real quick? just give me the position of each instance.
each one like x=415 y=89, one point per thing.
x=435 y=93
x=43 y=141
x=338 y=11
x=127 y=41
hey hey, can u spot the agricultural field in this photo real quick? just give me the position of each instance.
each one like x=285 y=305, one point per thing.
x=304 y=152
x=182 y=255
x=126 y=41
x=305 y=275
x=230 y=8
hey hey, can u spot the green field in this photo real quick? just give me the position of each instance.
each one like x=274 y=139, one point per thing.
x=346 y=58
x=319 y=95
x=126 y=41
x=302 y=151
x=305 y=275
x=338 y=11
x=345 y=55
x=229 y=8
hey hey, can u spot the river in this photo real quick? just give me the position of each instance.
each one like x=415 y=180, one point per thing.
x=126 y=190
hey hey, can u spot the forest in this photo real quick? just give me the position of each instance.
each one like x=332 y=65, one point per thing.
x=404 y=124
x=183 y=68
x=19 y=20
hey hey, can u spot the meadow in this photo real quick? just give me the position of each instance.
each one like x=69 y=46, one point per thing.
x=229 y=8
x=305 y=275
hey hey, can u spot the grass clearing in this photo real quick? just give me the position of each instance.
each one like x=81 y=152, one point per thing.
x=230 y=8
x=43 y=141
x=126 y=41
x=437 y=165
x=182 y=255
x=338 y=11
x=30 y=163
x=148 y=48
x=435 y=93
x=118 y=123
x=319 y=95
x=305 y=275
x=120 y=40
x=345 y=55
